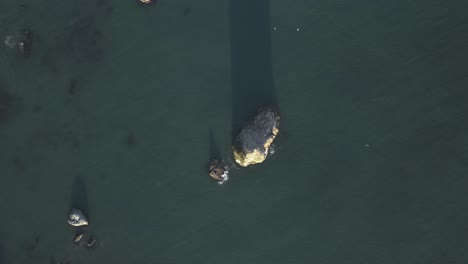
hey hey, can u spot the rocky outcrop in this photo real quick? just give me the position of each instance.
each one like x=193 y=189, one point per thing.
x=252 y=143
x=219 y=171
x=82 y=236
x=77 y=218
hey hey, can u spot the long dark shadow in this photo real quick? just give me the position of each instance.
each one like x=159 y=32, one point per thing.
x=2 y=250
x=251 y=63
x=79 y=196
x=6 y=101
x=214 y=150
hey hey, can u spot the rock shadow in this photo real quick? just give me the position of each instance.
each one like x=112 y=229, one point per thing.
x=83 y=40
x=214 y=150
x=2 y=250
x=129 y=140
x=79 y=196
x=6 y=102
x=105 y=6
x=251 y=62
x=30 y=246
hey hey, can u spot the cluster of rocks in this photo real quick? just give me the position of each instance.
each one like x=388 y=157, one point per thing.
x=82 y=237
x=252 y=144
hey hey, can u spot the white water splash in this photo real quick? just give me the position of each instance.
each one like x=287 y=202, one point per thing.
x=13 y=41
x=225 y=177
x=271 y=150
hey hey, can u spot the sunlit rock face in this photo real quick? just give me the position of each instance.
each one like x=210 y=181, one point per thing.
x=77 y=218
x=253 y=141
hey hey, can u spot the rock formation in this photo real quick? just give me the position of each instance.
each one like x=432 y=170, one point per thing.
x=77 y=218
x=255 y=138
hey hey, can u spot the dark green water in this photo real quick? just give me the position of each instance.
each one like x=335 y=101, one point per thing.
x=114 y=109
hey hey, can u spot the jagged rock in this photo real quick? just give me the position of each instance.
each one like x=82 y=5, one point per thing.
x=84 y=238
x=90 y=241
x=255 y=138
x=78 y=237
x=77 y=218
x=219 y=171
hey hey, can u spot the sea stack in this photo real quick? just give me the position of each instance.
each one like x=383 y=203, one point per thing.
x=146 y=2
x=77 y=218
x=256 y=136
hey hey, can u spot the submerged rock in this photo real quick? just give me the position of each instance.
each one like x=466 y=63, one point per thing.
x=78 y=237
x=90 y=241
x=219 y=171
x=84 y=238
x=77 y=218
x=22 y=42
x=25 y=45
x=252 y=143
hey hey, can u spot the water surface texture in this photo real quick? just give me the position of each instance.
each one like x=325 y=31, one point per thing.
x=119 y=107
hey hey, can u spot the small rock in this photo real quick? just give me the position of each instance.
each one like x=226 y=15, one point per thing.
x=25 y=45
x=77 y=218
x=147 y=2
x=219 y=171
x=90 y=241
x=78 y=238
